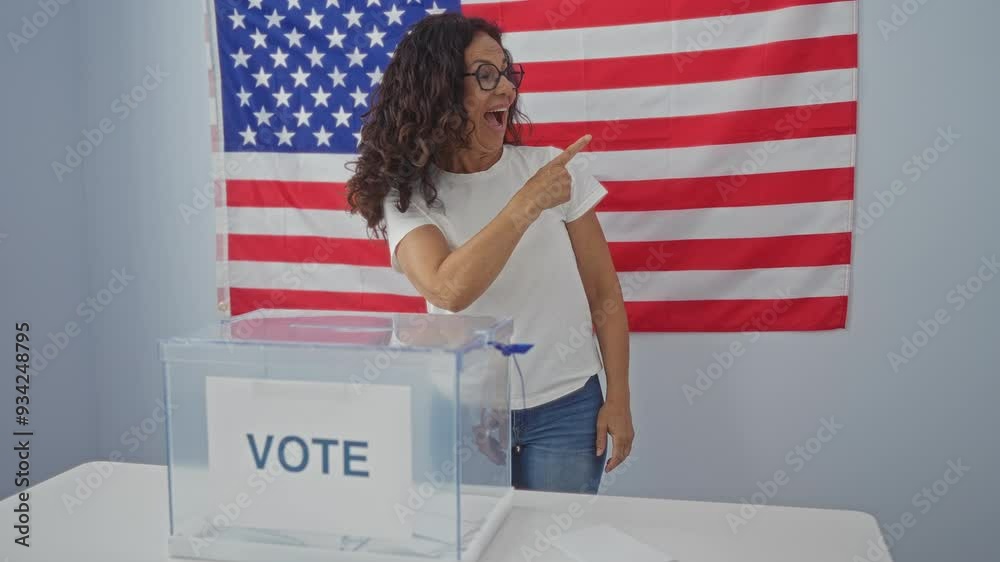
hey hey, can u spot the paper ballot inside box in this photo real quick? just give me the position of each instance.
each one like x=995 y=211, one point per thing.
x=312 y=456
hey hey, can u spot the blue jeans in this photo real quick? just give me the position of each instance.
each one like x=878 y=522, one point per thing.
x=554 y=444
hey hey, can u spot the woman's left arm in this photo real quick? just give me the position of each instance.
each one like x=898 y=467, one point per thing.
x=607 y=309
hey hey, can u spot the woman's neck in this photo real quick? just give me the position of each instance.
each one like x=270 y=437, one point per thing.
x=469 y=162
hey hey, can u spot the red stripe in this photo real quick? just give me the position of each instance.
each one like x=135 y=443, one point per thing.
x=816 y=313
x=734 y=127
x=733 y=253
x=294 y=194
x=567 y=14
x=806 y=186
x=308 y=249
x=248 y=300
x=780 y=57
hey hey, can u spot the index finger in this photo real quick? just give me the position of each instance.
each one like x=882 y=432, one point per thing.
x=570 y=152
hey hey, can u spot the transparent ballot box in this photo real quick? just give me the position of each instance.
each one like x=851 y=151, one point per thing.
x=338 y=436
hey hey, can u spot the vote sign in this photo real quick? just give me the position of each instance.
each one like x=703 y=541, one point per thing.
x=311 y=456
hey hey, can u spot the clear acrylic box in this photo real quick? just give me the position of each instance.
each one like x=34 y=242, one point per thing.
x=338 y=436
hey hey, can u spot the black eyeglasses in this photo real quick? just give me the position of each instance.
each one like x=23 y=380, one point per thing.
x=488 y=75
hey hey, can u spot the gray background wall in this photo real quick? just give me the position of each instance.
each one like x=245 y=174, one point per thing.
x=120 y=212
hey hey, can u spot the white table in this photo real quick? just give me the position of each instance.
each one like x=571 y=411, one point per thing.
x=125 y=520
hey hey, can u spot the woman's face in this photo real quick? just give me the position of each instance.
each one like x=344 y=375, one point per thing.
x=488 y=110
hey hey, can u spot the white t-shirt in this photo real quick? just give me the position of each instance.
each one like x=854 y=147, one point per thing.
x=540 y=286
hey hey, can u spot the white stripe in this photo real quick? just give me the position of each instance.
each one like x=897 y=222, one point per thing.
x=296 y=222
x=222 y=274
x=690 y=35
x=702 y=98
x=288 y=166
x=319 y=277
x=698 y=161
x=776 y=283
x=787 y=282
x=721 y=160
x=727 y=222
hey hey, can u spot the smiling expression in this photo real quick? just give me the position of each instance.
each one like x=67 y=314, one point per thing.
x=489 y=111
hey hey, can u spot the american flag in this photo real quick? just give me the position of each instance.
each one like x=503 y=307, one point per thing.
x=724 y=131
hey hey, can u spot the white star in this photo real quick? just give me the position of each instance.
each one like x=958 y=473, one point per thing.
x=375 y=76
x=373 y=3
x=301 y=78
x=279 y=58
x=320 y=96
x=241 y=58
x=249 y=136
x=357 y=57
x=315 y=19
x=376 y=36
x=263 y=116
x=282 y=96
x=338 y=77
x=359 y=97
x=285 y=136
x=259 y=39
x=395 y=15
x=244 y=96
x=294 y=38
x=434 y=10
x=262 y=78
x=274 y=20
x=332 y=3
x=294 y=4
x=357 y=136
x=237 y=19
x=315 y=57
x=336 y=38
x=303 y=116
x=322 y=137
x=353 y=18
x=342 y=117
x=255 y=3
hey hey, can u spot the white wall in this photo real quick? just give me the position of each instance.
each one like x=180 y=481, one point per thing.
x=43 y=249
x=154 y=162
x=899 y=429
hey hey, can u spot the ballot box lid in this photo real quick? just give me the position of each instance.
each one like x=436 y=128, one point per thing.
x=446 y=332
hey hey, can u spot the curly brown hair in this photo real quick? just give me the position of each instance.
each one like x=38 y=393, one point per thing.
x=417 y=115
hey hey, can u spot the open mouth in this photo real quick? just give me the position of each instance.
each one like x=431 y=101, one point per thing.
x=497 y=119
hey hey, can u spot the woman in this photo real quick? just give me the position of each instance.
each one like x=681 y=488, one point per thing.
x=484 y=226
